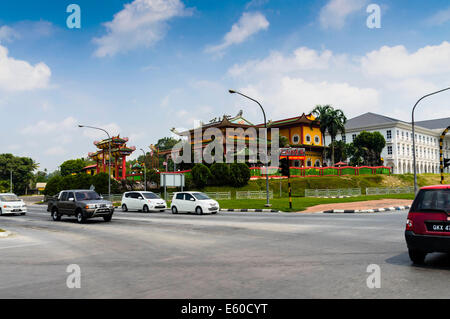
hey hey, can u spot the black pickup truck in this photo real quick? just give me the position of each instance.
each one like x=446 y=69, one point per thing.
x=82 y=204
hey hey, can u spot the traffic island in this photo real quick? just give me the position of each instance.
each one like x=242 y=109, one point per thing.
x=371 y=206
x=250 y=210
x=377 y=210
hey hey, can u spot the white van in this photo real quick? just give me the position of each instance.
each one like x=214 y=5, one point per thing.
x=142 y=201
x=11 y=204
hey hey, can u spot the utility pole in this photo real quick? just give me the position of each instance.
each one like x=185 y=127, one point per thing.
x=11 y=180
x=145 y=172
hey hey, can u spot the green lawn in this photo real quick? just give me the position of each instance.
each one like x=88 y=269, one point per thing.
x=301 y=203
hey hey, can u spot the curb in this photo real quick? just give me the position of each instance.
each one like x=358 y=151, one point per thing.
x=376 y=210
x=250 y=210
x=5 y=234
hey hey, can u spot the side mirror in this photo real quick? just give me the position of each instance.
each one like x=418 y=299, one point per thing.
x=141 y=198
x=71 y=199
x=192 y=199
x=101 y=197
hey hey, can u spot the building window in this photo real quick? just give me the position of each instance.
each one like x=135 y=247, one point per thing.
x=344 y=138
x=295 y=139
x=389 y=134
x=316 y=140
x=309 y=163
x=308 y=138
x=317 y=163
x=389 y=149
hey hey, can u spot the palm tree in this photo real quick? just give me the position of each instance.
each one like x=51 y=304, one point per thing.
x=335 y=124
x=322 y=115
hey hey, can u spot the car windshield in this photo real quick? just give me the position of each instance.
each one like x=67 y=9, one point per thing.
x=150 y=195
x=9 y=198
x=432 y=200
x=201 y=196
x=88 y=195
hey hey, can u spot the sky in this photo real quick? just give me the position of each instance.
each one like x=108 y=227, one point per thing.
x=139 y=68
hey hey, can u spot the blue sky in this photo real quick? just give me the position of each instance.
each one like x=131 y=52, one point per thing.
x=141 y=67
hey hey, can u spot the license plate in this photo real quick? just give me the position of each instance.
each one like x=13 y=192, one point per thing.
x=439 y=227
x=16 y=210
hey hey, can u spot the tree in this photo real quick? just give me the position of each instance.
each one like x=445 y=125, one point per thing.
x=201 y=175
x=368 y=146
x=72 y=167
x=166 y=143
x=341 y=151
x=53 y=186
x=22 y=171
x=322 y=115
x=336 y=123
x=283 y=141
x=240 y=174
x=220 y=173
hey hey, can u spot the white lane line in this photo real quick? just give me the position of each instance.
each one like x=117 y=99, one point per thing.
x=21 y=246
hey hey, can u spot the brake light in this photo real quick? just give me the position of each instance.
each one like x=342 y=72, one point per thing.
x=409 y=224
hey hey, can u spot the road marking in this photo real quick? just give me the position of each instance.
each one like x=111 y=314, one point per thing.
x=21 y=246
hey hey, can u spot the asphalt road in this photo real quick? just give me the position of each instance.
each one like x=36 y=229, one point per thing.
x=229 y=255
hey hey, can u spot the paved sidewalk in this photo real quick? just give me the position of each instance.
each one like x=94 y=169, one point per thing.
x=371 y=204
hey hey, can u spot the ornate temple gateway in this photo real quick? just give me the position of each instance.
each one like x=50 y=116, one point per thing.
x=119 y=153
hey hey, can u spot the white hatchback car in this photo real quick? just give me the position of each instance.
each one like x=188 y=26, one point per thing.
x=193 y=202
x=11 y=204
x=143 y=201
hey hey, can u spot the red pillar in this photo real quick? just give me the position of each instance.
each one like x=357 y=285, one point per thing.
x=124 y=167
x=104 y=162
x=117 y=168
x=98 y=167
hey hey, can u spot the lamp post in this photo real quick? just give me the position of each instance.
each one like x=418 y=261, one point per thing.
x=11 y=180
x=414 y=135
x=109 y=152
x=265 y=126
x=145 y=172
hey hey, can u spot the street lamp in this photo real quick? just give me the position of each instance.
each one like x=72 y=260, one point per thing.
x=11 y=180
x=265 y=126
x=109 y=152
x=414 y=135
x=145 y=172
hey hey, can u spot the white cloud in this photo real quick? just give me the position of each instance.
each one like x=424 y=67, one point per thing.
x=302 y=59
x=45 y=127
x=19 y=75
x=7 y=34
x=335 y=13
x=440 y=18
x=249 y=24
x=141 y=23
x=55 y=151
x=255 y=3
x=397 y=62
x=291 y=96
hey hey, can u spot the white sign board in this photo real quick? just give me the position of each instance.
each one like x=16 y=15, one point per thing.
x=172 y=179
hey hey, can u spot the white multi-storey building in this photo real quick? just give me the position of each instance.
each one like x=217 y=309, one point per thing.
x=398 y=134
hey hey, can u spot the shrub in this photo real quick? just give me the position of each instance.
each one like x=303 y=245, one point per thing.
x=220 y=174
x=53 y=186
x=239 y=174
x=201 y=175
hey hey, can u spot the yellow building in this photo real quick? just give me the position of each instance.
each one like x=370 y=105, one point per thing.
x=302 y=132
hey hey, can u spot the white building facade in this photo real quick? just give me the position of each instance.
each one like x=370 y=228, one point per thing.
x=398 y=152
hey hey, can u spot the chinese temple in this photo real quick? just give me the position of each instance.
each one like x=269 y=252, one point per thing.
x=119 y=153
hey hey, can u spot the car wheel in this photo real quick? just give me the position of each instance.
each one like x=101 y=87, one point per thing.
x=199 y=210
x=81 y=218
x=107 y=218
x=1 y=212
x=145 y=209
x=417 y=256
x=174 y=210
x=23 y=214
x=124 y=208
x=55 y=216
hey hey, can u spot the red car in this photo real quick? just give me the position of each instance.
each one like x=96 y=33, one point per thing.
x=428 y=224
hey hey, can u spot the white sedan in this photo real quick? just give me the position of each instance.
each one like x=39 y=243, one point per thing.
x=11 y=204
x=193 y=202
